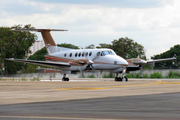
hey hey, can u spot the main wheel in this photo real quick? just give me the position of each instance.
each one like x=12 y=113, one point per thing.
x=67 y=79
x=63 y=79
x=125 y=79
x=118 y=79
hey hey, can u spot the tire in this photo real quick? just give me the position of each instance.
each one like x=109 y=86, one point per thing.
x=125 y=79
x=119 y=79
x=63 y=79
x=116 y=79
x=67 y=79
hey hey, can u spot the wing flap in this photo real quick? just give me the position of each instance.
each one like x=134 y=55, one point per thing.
x=44 y=63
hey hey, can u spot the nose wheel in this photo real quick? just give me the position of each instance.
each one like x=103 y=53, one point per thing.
x=122 y=79
x=125 y=79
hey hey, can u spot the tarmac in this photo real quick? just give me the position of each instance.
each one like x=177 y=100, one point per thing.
x=143 y=99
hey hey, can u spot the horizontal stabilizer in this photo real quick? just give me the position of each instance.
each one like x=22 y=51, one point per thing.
x=44 y=63
x=38 y=30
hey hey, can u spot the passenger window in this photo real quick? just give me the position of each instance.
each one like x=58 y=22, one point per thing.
x=86 y=53
x=79 y=54
x=76 y=55
x=70 y=55
x=64 y=55
x=83 y=54
x=90 y=53
x=98 y=53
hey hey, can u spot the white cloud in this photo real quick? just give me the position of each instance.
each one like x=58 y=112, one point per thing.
x=157 y=29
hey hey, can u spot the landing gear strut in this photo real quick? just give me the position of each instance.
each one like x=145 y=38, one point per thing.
x=65 y=78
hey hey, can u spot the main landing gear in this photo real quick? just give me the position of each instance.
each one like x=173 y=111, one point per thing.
x=65 y=78
x=122 y=79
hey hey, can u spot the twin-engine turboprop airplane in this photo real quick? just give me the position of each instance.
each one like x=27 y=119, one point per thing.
x=70 y=60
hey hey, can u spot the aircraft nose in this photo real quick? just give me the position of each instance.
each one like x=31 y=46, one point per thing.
x=123 y=61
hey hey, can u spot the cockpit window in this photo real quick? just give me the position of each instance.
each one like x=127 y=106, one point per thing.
x=110 y=52
x=106 y=52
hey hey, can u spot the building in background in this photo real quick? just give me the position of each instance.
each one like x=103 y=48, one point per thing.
x=37 y=45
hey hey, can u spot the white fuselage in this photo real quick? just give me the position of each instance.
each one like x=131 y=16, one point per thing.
x=103 y=59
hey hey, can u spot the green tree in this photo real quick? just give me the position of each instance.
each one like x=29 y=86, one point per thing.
x=29 y=68
x=128 y=48
x=104 y=45
x=174 y=51
x=92 y=46
x=14 y=44
x=67 y=45
x=39 y=55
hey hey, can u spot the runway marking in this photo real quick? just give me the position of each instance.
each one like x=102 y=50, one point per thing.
x=101 y=88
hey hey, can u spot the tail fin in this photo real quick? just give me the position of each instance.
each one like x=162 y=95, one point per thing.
x=47 y=37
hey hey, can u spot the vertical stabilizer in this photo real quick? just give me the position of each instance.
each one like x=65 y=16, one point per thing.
x=48 y=39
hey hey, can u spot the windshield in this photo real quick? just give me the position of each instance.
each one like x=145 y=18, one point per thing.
x=111 y=52
x=106 y=52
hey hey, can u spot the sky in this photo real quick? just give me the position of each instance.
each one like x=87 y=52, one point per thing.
x=155 y=24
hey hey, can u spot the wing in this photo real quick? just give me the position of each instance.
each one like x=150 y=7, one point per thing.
x=159 y=60
x=44 y=63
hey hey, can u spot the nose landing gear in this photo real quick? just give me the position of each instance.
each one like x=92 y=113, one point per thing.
x=122 y=79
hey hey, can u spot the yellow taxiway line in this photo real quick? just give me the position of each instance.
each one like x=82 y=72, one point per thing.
x=101 y=88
